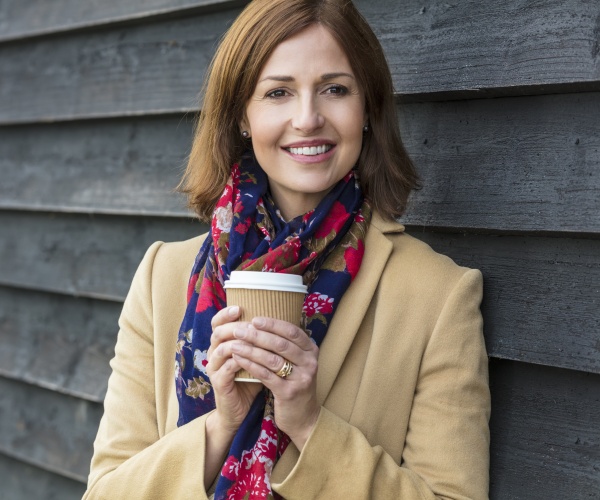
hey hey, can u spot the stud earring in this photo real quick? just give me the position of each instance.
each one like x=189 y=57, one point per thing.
x=366 y=128
x=245 y=134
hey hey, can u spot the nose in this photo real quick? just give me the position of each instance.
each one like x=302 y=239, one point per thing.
x=307 y=117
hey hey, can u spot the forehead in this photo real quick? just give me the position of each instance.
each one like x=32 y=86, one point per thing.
x=314 y=49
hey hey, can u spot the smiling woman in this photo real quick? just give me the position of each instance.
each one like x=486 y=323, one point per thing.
x=382 y=391
x=306 y=119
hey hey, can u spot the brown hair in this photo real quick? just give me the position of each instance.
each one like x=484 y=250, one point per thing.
x=387 y=175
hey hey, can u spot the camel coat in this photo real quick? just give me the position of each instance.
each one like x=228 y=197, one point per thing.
x=402 y=381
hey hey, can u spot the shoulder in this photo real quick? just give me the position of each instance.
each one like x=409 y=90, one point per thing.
x=178 y=256
x=415 y=267
x=167 y=264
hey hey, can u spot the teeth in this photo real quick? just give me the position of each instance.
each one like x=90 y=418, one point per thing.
x=311 y=151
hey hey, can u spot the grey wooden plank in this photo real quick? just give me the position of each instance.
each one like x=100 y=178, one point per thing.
x=122 y=71
x=57 y=342
x=435 y=51
x=545 y=433
x=526 y=163
x=20 y=20
x=88 y=256
x=541 y=295
x=47 y=428
x=104 y=166
x=22 y=481
x=523 y=163
x=488 y=48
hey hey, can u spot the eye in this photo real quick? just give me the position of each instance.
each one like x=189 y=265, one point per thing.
x=274 y=94
x=336 y=90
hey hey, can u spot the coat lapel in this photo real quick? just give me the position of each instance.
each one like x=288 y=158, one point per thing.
x=354 y=305
x=345 y=323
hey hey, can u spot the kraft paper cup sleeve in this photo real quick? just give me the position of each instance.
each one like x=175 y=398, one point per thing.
x=272 y=303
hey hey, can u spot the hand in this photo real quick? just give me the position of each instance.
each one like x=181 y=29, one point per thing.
x=233 y=400
x=264 y=347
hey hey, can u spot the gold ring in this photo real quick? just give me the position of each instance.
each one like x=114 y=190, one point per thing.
x=286 y=369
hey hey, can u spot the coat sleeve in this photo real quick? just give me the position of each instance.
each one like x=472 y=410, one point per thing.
x=446 y=453
x=130 y=459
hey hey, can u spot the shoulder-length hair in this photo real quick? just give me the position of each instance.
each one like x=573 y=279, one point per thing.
x=386 y=173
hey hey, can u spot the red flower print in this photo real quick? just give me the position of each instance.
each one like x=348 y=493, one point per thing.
x=226 y=196
x=210 y=295
x=306 y=217
x=353 y=258
x=239 y=206
x=316 y=303
x=241 y=228
x=192 y=286
x=251 y=474
x=284 y=256
x=200 y=360
x=235 y=174
x=334 y=221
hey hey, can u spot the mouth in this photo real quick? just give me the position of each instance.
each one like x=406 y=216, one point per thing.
x=310 y=150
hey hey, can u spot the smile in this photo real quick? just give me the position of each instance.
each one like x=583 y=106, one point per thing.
x=310 y=150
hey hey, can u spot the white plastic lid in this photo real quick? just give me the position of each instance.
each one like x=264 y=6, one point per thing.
x=256 y=280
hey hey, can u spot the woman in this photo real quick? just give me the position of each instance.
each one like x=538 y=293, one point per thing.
x=386 y=397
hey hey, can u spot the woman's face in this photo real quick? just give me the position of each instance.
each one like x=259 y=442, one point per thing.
x=306 y=119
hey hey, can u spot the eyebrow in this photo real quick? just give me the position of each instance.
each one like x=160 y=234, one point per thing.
x=286 y=78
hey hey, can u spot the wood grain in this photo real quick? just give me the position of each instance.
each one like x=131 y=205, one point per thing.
x=34 y=18
x=488 y=48
x=123 y=71
x=20 y=480
x=468 y=49
x=105 y=166
x=545 y=433
x=47 y=428
x=58 y=342
x=87 y=256
x=513 y=164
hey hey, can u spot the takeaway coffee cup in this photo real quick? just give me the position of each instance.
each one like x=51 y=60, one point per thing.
x=274 y=295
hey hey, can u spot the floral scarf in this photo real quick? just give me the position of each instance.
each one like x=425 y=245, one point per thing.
x=325 y=246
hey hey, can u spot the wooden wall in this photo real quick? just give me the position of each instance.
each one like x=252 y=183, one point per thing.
x=499 y=104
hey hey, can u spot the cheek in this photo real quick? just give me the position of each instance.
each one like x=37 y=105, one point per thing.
x=351 y=121
x=265 y=127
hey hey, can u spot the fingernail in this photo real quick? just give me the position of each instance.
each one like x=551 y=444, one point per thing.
x=234 y=311
x=239 y=333
x=260 y=322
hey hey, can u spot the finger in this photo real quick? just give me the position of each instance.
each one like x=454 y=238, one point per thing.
x=223 y=380
x=225 y=315
x=284 y=329
x=218 y=357
x=227 y=371
x=269 y=342
x=262 y=373
x=223 y=326
x=268 y=359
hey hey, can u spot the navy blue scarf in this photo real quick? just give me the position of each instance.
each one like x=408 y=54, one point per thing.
x=325 y=246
